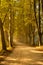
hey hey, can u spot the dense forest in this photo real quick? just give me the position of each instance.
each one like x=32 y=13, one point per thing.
x=21 y=20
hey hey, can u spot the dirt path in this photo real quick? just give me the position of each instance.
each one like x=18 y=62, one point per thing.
x=23 y=55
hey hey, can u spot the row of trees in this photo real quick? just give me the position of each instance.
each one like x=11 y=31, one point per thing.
x=21 y=19
x=6 y=24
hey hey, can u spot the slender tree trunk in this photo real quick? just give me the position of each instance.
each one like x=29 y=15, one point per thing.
x=39 y=25
x=2 y=36
x=11 y=38
x=11 y=25
x=42 y=5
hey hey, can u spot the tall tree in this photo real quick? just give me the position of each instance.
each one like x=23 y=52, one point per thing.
x=38 y=20
x=2 y=35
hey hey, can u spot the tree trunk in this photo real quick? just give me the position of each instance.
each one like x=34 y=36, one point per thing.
x=40 y=34
x=11 y=38
x=2 y=36
x=11 y=24
x=38 y=26
x=42 y=5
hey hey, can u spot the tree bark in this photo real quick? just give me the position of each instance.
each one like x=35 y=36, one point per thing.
x=2 y=35
x=38 y=26
x=11 y=38
x=11 y=25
